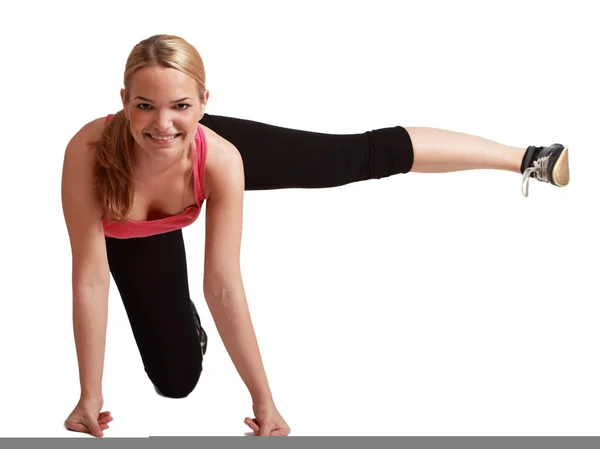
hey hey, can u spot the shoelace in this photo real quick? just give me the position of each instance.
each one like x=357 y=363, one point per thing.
x=539 y=170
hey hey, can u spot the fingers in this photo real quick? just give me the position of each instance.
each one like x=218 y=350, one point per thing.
x=91 y=425
x=95 y=429
x=76 y=427
x=252 y=424
x=265 y=430
x=105 y=419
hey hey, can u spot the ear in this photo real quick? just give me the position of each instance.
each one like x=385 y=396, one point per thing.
x=203 y=105
x=123 y=101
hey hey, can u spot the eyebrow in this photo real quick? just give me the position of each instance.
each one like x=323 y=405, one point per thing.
x=150 y=101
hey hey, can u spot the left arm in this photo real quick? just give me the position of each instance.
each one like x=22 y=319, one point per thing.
x=223 y=286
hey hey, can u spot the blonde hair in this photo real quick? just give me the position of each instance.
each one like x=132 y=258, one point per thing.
x=113 y=168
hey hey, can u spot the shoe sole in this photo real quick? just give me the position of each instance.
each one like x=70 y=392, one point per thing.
x=560 y=172
x=201 y=332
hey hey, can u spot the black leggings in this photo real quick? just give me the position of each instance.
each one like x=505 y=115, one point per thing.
x=151 y=272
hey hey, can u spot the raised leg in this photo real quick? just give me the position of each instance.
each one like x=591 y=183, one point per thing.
x=284 y=158
x=439 y=151
x=280 y=158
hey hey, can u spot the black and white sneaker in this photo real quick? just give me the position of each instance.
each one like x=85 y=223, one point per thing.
x=548 y=164
x=199 y=329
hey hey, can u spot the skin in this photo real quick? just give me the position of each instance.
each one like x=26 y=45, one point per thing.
x=160 y=113
x=160 y=116
x=435 y=151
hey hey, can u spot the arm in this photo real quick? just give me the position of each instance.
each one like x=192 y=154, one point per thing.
x=223 y=286
x=90 y=272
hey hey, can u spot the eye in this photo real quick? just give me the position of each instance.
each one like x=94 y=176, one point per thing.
x=146 y=106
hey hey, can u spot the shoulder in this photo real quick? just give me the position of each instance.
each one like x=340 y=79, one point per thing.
x=94 y=128
x=224 y=166
x=80 y=146
x=90 y=132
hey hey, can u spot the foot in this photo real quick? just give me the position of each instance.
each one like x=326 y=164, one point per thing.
x=548 y=164
x=199 y=329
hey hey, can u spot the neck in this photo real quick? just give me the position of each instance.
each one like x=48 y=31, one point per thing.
x=150 y=165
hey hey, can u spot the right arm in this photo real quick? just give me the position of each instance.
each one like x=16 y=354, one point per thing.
x=90 y=271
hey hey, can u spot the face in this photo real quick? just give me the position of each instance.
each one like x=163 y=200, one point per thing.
x=163 y=111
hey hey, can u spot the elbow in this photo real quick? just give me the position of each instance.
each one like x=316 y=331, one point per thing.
x=213 y=294
x=219 y=294
x=91 y=278
x=90 y=284
x=218 y=291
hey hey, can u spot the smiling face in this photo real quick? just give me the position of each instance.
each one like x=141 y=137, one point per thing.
x=163 y=108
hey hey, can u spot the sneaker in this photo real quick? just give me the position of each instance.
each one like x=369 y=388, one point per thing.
x=548 y=164
x=199 y=329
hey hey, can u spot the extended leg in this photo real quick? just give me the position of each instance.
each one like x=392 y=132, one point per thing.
x=282 y=158
x=438 y=150
x=278 y=158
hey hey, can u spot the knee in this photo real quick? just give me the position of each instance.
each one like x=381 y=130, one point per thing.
x=178 y=385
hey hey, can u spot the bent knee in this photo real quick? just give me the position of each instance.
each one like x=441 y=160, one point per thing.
x=177 y=386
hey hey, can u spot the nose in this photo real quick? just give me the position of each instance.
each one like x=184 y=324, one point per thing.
x=163 y=120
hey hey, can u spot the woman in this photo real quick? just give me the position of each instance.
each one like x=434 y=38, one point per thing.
x=131 y=182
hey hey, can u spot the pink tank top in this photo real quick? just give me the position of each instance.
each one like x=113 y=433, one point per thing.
x=133 y=228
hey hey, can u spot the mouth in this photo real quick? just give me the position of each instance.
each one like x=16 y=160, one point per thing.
x=162 y=139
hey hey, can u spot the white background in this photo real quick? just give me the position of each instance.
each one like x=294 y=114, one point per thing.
x=421 y=304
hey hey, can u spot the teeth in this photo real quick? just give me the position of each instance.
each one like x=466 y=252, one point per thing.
x=163 y=138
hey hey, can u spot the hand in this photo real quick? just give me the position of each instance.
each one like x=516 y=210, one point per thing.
x=268 y=421
x=86 y=417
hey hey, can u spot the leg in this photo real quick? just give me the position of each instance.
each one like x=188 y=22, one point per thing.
x=151 y=275
x=278 y=158
x=438 y=151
